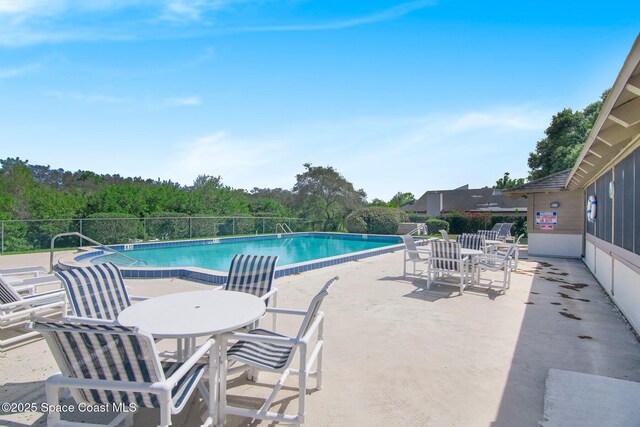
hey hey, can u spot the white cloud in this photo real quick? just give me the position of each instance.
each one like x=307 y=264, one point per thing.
x=90 y=98
x=189 y=101
x=241 y=163
x=380 y=154
x=7 y=73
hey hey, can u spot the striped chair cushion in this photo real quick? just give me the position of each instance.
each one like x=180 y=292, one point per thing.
x=114 y=353
x=7 y=293
x=471 y=241
x=266 y=355
x=488 y=234
x=446 y=256
x=96 y=292
x=252 y=274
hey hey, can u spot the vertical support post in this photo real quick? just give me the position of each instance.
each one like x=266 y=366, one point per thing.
x=190 y=228
x=80 y=238
x=263 y=226
x=2 y=247
x=233 y=226
x=144 y=229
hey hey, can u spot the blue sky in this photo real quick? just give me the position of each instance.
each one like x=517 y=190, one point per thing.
x=397 y=96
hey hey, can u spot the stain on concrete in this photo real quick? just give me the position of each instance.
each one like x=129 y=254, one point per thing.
x=585 y=337
x=563 y=295
x=556 y=303
x=528 y=302
x=570 y=316
x=574 y=286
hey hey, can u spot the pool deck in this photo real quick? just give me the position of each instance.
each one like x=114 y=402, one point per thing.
x=399 y=354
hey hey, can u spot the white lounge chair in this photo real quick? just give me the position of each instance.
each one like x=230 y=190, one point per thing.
x=445 y=263
x=489 y=234
x=97 y=293
x=16 y=309
x=119 y=367
x=413 y=254
x=266 y=350
x=32 y=284
x=445 y=235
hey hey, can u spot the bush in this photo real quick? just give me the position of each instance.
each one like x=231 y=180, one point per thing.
x=110 y=228
x=167 y=226
x=435 y=225
x=375 y=220
x=418 y=218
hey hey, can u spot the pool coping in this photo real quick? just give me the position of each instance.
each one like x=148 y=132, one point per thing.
x=216 y=277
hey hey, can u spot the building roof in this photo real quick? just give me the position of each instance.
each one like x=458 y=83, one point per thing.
x=553 y=182
x=469 y=200
x=617 y=128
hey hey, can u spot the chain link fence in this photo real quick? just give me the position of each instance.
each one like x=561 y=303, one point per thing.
x=34 y=235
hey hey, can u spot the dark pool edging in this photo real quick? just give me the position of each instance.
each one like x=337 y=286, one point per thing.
x=215 y=277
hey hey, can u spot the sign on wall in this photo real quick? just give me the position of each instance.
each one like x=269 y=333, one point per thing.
x=546 y=218
x=546 y=227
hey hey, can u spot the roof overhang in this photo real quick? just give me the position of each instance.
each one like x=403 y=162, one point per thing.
x=617 y=128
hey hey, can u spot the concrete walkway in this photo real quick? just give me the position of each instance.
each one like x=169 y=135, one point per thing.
x=398 y=354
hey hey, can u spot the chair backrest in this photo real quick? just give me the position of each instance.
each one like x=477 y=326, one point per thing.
x=252 y=274
x=505 y=230
x=314 y=307
x=471 y=241
x=497 y=226
x=7 y=293
x=446 y=256
x=104 y=352
x=445 y=235
x=96 y=292
x=410 y=244
x=488 y=234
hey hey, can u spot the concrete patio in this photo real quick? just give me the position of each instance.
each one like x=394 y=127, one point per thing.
x=399 y=354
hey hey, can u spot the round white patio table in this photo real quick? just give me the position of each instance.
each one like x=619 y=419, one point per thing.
x=471 y=253
x=188 y=315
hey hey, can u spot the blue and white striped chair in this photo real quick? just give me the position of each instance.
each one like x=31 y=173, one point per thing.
x=16 y=309
x=118 y=366
x=254 y=274
x=505 y=261
x=266 y=350
x=447 y=262
x=97 y=293
x=489 y=234
x=471 y=241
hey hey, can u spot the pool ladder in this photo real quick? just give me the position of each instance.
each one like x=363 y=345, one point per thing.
x=82 y=236
x=284 y=227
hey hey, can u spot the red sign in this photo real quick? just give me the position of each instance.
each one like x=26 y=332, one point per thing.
x=546 y=227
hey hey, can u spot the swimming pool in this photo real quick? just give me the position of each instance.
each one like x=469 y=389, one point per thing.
x=208 y=259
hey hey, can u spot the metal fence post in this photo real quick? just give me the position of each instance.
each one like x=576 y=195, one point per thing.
x=190 y=229
x=233 y=226
x=2 y=248
x=80 y=238
x=263 y=226
x=144 y=229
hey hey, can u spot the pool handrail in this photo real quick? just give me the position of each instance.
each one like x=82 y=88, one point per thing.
x=285 y=227
x=82 y=236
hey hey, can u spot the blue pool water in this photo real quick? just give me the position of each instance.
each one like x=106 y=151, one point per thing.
x=216 y=254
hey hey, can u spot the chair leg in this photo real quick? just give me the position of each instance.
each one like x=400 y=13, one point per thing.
x=165 y=408
x=53 y=393
x=302 y=382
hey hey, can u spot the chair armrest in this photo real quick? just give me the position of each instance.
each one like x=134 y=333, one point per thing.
x=263 y=338
x=269 y=294
x=89 y=320
x=188 y=364
x=286 y=311
x=138 y=298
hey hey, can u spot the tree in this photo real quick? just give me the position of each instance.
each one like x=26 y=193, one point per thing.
x=323 y=193
x=505 y=182
x=400 y=199
x=564 y=140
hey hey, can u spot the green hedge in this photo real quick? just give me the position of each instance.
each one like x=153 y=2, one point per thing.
x=375 y=220
x=108 y=230
x=435 y=225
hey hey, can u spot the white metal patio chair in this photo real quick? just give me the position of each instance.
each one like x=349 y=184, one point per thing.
x=496 y=262
x=446 y=263
x=489 y=234
x=15 y=309
x=413 y=254
x=254 y=274
x=118 y=366
x=505 y=231
x=96 y=293
x=266 y=350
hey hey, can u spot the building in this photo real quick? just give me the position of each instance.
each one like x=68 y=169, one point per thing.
x=597 y=209
x=434 y=203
